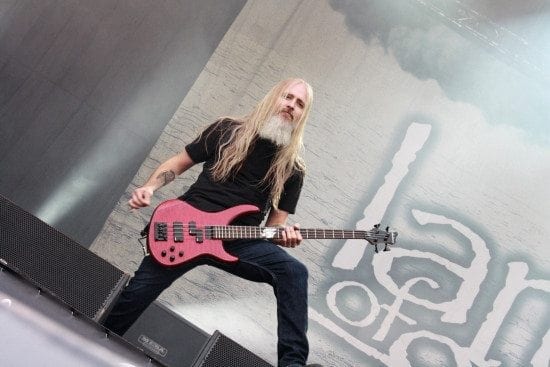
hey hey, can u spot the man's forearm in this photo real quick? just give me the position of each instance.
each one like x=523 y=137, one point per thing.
x=160 y=179
x=168 y=171
x=276 y=218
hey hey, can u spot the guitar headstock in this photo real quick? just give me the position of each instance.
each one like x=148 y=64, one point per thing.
x=377 y=236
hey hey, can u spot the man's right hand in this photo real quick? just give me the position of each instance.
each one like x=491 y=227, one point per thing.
x=141 y=197
x=163 y=175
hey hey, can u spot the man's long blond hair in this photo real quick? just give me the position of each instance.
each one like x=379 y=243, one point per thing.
x=233 y=151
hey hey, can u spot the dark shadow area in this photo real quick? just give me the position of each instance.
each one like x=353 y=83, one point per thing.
x=86 y=89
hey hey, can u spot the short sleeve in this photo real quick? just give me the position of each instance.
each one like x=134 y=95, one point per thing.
x=205 y=145
x=291 y=193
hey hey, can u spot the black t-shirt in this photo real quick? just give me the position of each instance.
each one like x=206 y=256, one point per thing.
x=242 y=187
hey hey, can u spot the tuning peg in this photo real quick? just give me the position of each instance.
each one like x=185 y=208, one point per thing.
x=387 y=228
x=386 y=248
x=376 y=247
x=377 y=226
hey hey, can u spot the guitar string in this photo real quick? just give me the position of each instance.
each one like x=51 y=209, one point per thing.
x=261 y=229
x=230 y=232
x=215 y=227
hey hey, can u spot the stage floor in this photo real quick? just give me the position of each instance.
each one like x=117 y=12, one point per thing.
x=38 y=330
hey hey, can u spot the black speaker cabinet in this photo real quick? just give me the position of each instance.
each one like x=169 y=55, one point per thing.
x=166 y=336
x=223 y=351
x=56 y=264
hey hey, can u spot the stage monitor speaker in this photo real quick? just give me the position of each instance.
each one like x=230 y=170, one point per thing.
x=56 y=264
x=166 y=336
x=223 y=351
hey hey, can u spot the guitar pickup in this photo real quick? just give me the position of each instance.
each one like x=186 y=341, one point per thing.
x=193 y=231
x=178 y=231
x=161 y=231
x=192 y=228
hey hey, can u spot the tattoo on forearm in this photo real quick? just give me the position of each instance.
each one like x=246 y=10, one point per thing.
x=166 y=177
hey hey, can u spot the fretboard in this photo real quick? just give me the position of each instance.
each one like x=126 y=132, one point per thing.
x=237 y=232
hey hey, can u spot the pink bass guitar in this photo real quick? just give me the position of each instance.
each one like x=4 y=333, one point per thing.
x=179 y=233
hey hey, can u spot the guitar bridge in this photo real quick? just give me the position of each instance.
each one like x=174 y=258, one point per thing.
x=161 y=231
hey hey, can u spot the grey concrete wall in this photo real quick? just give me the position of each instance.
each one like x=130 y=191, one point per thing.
x=409 y=128
x=86 y=88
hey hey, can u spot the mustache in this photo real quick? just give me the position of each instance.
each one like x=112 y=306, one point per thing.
x=289 y=111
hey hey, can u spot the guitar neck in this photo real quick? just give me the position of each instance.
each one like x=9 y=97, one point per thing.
x=239 y=232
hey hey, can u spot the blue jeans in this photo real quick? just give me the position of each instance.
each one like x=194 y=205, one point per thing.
x=259 y=261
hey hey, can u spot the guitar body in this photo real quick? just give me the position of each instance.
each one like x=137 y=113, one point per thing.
x=179 y=232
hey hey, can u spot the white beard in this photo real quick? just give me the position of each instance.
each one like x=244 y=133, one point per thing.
x=277 y=130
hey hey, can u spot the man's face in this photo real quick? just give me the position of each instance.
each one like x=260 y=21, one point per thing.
x=292 y=103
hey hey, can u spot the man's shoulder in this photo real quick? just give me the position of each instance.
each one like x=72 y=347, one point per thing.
x=226 y=122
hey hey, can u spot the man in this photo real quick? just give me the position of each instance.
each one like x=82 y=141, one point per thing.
x=249 y=160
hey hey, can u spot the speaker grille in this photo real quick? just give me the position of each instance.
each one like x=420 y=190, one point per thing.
x=56 y=263
x=223 y=351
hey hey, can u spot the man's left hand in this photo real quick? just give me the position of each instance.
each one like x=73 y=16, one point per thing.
x=291 y=236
